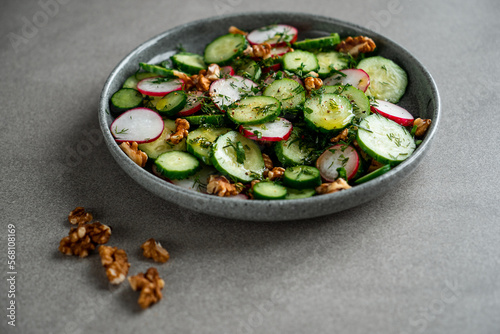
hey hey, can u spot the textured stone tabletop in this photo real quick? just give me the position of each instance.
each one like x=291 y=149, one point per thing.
x=424 y=258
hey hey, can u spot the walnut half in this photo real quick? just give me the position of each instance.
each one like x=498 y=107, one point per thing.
x=220 y=186
x=328 y=188
x=116 y=263
x=84 y=238
x=153 y=250
x=356 y=45
x=150 y=285
x=133 y=152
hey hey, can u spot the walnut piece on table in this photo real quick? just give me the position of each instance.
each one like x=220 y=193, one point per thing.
x=79 y=216
x=356 y=45
x=153 y=250
x=81 y=240
x=328 y=188
x=150 y=285
x=78 y=242
x=116 y=263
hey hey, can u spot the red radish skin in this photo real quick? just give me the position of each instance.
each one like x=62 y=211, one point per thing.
x=338 y=156
x=141 y=125
x=393 y=112
x=265 y=35
x=149 y=87
x=353 y=76
x=278 y=130
x=226 y=71
x=193 y=104
x=274 y=68
x=225 y=92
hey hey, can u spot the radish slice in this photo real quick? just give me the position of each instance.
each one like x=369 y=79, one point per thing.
x=274 y=68
x=193 y=104
x=277 y=130
x=225 y=92
x=353 y=76
x=278 y=34
x=338 y=156
x=393 y=112
x=158 y=86
x=226 y=71
x=141 y=125
x=279 y=51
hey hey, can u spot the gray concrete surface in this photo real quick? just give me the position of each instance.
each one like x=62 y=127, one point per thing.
x=424 y=258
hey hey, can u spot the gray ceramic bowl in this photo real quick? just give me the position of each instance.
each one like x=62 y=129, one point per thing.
x=421 y=99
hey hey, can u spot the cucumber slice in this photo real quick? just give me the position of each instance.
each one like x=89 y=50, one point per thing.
x=158 y=70
x=376 y=173
x=360 y=102
x=215 y=120
x=321 y=43
x=224 y=49
x=144 y=75
x=301 y=177
x=188 y=62
x=300 y=193
x=328 y=112
x=254 y=110
x=247 y=68
x=384 y=140
x=177 y=165
x=289 y=92
x=300 y=62
x=131 y=82
x=268 y=190
x=171 y=103
x=294 y=151
x=388 y=80
x=329 y=62
x=199 y=142
x=238 y=157
x=125 y=99
x=161 y=145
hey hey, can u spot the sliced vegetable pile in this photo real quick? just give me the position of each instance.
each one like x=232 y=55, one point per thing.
x=264 y=115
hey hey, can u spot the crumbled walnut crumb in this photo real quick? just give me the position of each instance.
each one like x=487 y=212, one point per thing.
x=116 y=263
x=181 y=131
x=133 y=152
x=220 y=186
x=268 y=163
x=153 y=250
x=356 y=45
x=341 y=136
x=262 y=51
x=312 y=83
x=328 y=188
x=422 y=126
x=275 y=173
x=236 y=31
x=150 y=286
x=79 y=216
x=83 y=239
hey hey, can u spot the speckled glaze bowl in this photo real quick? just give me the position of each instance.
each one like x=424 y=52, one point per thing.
x=421 y=99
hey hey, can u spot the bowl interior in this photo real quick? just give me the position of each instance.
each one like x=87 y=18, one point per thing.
x=421 y=99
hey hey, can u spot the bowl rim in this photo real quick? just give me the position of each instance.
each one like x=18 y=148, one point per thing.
x=177 y=192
